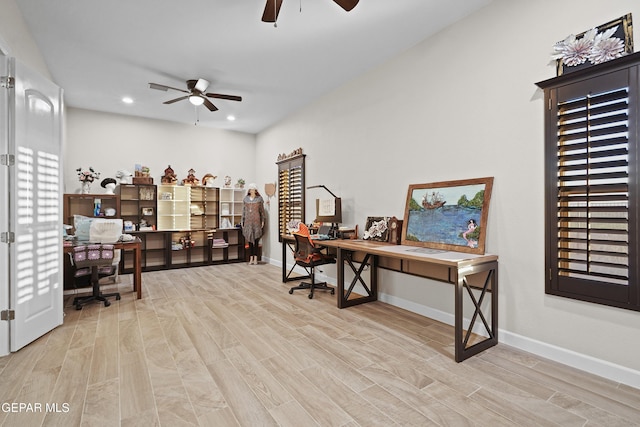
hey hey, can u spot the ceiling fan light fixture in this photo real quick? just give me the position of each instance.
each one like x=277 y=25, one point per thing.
x=196 y=100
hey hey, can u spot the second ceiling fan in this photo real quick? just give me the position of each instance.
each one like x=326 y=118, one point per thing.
x=195 y=93
x=272 y=8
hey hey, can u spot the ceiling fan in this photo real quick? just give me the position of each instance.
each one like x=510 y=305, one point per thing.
x=272 y=8
x=196 y=93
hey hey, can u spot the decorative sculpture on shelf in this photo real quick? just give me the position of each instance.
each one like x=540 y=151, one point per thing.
x=109 y=184
x=169 y=176
x=191 y=178
x=208 y=179
x=124 y=176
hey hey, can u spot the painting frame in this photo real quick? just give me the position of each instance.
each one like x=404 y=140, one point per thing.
x=435 y=220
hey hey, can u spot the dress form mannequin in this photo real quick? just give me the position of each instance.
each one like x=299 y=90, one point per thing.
x=253 y=217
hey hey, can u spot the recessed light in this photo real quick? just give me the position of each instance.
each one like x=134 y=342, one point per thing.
x=127 y=100
x=231 y=118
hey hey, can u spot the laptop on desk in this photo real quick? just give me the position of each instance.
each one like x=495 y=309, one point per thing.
x=323 y=233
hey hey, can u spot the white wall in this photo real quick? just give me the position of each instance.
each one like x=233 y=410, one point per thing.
x=110 y=142
x=14 y=33
x=463 y=104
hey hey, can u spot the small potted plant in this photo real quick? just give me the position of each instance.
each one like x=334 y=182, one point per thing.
x=240 y=183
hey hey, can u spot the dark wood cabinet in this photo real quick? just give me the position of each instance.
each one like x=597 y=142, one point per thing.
x=90 y=205
x=169 y=249
x=138 y=204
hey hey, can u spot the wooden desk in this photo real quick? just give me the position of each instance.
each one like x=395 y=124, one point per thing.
x=136 y=247
x=465 y=271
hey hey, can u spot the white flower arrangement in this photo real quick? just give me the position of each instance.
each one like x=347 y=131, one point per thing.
x=593 y=47
x=87 y=175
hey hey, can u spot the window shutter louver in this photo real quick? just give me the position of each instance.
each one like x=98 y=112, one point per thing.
x=593 y=188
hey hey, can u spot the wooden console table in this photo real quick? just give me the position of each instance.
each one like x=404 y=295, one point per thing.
x=465 y=271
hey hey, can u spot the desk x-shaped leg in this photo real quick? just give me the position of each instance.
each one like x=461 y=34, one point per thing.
x=346 y=299
x=462 y=350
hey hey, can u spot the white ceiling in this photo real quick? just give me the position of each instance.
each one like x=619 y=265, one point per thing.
x=101 y=51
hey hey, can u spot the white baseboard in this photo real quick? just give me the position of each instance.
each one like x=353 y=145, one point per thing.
x=576 y=360
x=571 y=358
x=565 y=356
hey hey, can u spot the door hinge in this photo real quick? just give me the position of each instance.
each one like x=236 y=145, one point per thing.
x=7 y=82
x=7 y=159
x=7 y=237
x=7 y=315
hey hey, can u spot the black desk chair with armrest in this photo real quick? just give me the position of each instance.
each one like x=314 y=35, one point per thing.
x=93 y=261
x=309 y=256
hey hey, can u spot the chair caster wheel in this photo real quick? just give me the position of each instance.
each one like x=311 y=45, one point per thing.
x=78 y=307
x=117 y=297
x=107 y=303
x=333 y=291
x=290 y=291
x=310 y=296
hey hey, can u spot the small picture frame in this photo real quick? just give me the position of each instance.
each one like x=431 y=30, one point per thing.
x=377 y=229
x=147 y=211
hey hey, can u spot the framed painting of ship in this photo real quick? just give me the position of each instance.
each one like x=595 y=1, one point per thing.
x=449 y=215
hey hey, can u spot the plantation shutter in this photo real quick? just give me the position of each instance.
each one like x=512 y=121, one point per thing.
x=291 y=188
x=591 y=188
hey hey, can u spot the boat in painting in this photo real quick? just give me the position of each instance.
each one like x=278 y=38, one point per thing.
x=433 y=200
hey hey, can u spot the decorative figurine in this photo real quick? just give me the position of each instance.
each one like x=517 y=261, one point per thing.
x=124 y=176
x=109 y=184
x=208 y=179
x=191 y=178
x=169 y=176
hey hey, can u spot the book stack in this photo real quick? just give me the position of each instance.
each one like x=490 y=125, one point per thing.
x=219 y=243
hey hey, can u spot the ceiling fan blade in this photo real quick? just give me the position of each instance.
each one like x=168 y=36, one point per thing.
x=210 y=105
x=271 y=10
x=164 y=88
x=201 y=85
x=346 y=4
x=176 y=100
x=221 y=96
x=191 y=84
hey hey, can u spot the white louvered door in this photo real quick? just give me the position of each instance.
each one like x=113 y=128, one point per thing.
x=35 y=205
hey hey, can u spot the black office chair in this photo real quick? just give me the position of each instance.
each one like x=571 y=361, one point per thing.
x=308 y=256
x=93 y=261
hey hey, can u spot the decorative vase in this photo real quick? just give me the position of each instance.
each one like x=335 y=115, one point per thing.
x=86 y=187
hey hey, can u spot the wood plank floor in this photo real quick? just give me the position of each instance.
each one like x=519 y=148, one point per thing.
x=228 y=346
